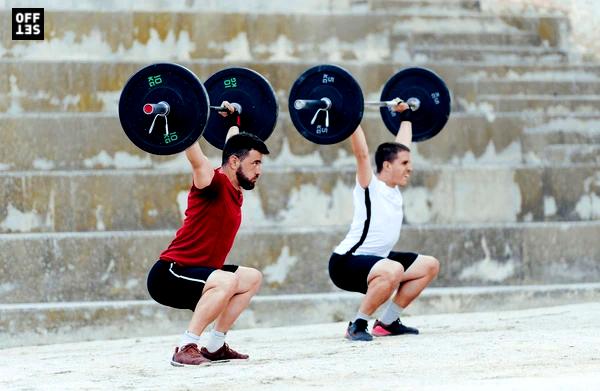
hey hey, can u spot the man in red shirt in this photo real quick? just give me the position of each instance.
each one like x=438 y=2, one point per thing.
x=191 y=273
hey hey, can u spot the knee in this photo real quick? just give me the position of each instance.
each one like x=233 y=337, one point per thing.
x=255 y=277
x=433 y=266
x=392 y=274
x=228 y=282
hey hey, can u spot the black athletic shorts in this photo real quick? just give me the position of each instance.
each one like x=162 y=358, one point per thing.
x=179 y=286
x=349 y=272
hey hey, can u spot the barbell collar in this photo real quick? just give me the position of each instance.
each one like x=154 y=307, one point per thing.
x=413 y=103
x=320 y=104
x=160 y=108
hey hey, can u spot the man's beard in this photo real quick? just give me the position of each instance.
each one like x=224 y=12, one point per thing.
x=245 y=182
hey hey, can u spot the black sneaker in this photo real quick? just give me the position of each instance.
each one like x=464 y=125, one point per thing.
x=357 y=331
x=394 y=328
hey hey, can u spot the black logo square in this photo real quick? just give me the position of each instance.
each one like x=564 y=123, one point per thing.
x=27 y=24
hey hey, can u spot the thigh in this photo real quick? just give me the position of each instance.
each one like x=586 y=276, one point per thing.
x=419 y=268
x=177 y=286
x=350 y=272
x=247 y=278
x=406 y=259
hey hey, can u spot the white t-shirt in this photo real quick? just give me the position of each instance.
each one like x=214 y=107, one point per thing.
x=377 y=220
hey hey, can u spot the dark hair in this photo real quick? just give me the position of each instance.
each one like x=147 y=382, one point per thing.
x=387 y=152
x=241 y=144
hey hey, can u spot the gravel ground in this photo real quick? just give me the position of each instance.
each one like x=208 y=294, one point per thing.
x=551 y=348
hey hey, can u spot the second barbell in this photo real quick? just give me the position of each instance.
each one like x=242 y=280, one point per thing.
x=326 y=103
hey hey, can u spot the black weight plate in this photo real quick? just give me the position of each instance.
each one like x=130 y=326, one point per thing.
x=345 y=114
x=433 y=93
x=253 y=92
x=188 y=114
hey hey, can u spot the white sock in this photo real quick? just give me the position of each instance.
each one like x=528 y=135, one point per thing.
x=188 y=338
x=216 y=339
x=391 y=313
x=360 y=315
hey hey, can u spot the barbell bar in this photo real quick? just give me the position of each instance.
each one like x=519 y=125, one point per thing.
x=423 y=91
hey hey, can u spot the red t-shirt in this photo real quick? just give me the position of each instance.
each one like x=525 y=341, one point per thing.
x=212 y=219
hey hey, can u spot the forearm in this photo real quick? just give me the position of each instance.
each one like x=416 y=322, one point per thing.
x=404 y=135
x=359 y=143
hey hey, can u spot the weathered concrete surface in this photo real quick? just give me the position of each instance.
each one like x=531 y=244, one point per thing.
x=552 y=348
x=44 y=323
x=94 y=141
x=573 y=153
x=542 y=103
x=113 y=265
x=111 y=200
x=253 y=6
x=56 y=85
x=367 y=36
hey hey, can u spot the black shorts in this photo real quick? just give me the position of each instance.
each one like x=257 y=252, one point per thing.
x=349 y=272
x=179 y=286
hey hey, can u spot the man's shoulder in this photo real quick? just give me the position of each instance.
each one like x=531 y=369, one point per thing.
x=217 y=181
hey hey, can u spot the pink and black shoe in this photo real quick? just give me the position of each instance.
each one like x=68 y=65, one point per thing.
x=394 y=328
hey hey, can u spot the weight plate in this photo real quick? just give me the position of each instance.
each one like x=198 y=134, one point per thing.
x=433 y=93
x=252 y=92
x=188 y=108
x=347 y=104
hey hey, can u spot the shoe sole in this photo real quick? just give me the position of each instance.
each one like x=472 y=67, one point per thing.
x=381 y=332
x=349 y=338
x=178 y=364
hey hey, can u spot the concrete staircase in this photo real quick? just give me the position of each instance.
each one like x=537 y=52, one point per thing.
x=507 y=196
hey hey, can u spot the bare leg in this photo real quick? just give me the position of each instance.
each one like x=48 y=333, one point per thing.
x=383 y=279
x=218 y=290
x=416 y=278
x=249 y=281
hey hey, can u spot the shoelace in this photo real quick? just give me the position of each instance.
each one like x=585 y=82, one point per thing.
x=192 y=348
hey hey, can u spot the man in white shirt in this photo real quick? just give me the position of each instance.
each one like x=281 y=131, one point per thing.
x=364 y=261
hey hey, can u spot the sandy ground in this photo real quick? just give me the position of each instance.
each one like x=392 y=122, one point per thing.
x=550 y=348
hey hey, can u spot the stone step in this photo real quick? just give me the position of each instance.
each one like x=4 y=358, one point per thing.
x=558 y=88
x=572 y=153
x=545 y=103
x=255 y=6
x=407 y=40
x=420 y=5
x=46 y=323
x=113 y=265
x=82 y=141
x=96 y=86
x=461 y=52
x=107 y=200
x=250 y=36
x=559 y=131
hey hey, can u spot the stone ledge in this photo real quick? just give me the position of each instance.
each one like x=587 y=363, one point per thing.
x=44 y=323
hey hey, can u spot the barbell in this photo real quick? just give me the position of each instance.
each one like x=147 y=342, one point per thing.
x=164 y=108
x=326 y=103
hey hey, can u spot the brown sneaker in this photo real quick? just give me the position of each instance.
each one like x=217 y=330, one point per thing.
x=225 y=353
x=188 y=355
